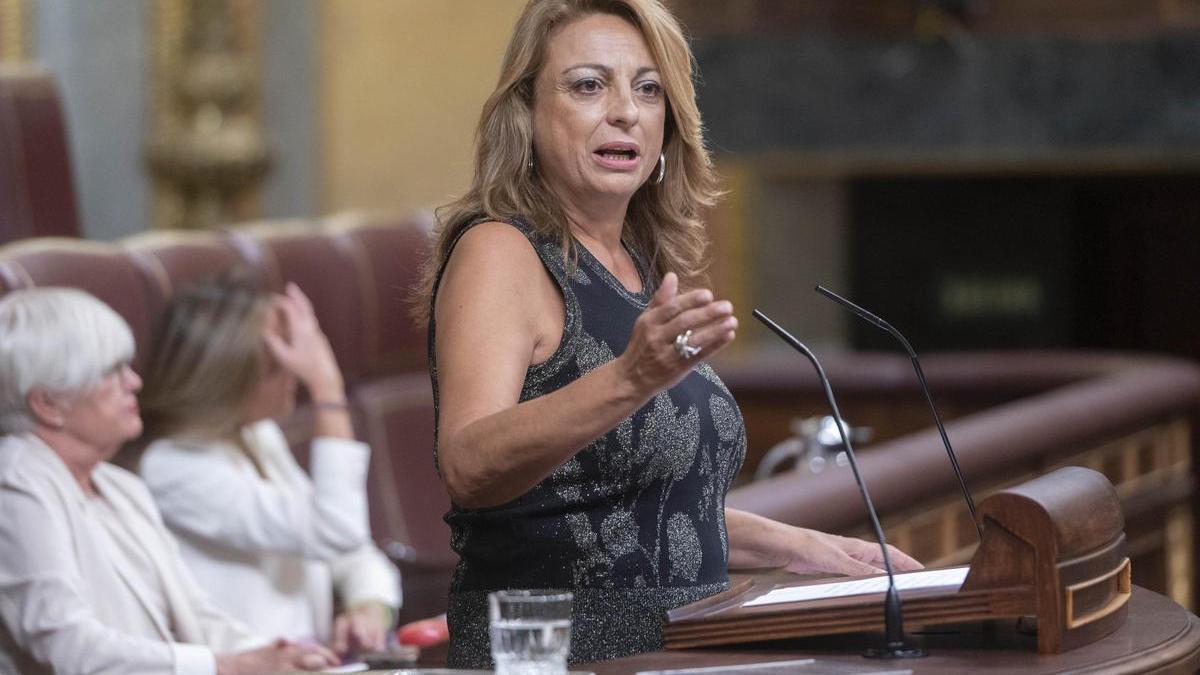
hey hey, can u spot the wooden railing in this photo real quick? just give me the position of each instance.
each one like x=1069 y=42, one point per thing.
x=1015 y=416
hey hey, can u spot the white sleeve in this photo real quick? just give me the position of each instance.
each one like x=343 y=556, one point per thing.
x=45 y=611
x=191 y=659
x=221 y=631
x=203 y=495
x=367 y=576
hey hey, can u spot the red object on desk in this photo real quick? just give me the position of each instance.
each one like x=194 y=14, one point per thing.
x=424 y=633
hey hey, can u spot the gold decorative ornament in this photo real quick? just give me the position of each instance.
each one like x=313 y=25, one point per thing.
x=208 y=154
x=14 y=31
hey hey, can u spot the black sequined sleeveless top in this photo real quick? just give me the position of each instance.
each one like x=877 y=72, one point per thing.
x=634 y=523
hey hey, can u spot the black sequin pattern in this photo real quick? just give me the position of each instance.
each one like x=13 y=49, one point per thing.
x=634 y=523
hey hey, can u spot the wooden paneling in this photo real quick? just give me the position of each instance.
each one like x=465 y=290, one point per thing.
x=1151 y=470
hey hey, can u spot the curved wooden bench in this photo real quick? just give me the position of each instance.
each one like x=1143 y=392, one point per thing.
x=1016 y=415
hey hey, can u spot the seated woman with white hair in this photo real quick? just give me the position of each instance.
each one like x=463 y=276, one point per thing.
x=90 y=579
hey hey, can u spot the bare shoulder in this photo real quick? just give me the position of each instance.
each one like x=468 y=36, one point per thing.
x=495 y=232
x=492 y=257
x=494 y=242
x=495 y=290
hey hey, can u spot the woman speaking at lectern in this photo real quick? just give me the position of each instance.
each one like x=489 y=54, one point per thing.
x=585 y=443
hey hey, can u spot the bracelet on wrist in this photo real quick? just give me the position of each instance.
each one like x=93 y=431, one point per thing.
x=331 y=405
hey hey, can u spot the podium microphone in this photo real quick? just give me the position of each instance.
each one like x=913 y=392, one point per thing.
x=893 y=617
x=937 y=419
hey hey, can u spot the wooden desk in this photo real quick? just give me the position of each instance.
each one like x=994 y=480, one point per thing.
x=1159 y=636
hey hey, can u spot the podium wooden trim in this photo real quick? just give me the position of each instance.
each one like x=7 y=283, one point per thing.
x=1124 y=589
x=1053 y=549
x=1159 y=637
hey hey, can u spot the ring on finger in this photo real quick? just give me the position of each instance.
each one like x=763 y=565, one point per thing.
x=684 y=349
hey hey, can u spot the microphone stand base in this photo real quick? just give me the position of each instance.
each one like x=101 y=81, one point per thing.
x=897 y=652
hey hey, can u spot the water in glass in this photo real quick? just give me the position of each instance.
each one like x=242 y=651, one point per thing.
x=533 y=646
x=530 y=631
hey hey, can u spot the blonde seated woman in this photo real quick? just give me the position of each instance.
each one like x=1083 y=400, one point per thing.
x=273 y=544
x=90 y=579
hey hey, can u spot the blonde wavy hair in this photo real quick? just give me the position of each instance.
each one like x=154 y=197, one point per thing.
x=207 y=357
x=663 y=220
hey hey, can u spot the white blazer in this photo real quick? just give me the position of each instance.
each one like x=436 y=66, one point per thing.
x=56 y=612
x=273 y=550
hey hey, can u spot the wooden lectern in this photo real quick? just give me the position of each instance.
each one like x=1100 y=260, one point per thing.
x=1053 y=549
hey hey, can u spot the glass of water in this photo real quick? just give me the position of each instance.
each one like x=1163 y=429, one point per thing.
x=531 y=631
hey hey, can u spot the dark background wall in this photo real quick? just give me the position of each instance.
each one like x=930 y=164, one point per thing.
x=1004 y=174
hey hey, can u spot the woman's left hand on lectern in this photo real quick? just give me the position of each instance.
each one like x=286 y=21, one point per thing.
x=822 y=552
x=756 y=542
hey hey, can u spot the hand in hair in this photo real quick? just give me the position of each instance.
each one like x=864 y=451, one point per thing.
x=302 y=349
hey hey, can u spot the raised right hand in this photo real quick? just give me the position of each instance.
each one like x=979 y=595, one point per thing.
x=280 y=656
x=301 y=347
x=651 y=361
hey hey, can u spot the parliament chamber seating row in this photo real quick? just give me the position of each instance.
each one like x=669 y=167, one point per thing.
x=1011 y=416
x=357 y=270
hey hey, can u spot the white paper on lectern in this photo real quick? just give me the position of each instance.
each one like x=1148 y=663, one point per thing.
x=356 y=667
x=951 y=577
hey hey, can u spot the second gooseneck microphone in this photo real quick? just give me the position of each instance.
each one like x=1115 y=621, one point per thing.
x=937 y=419
x=893 y=616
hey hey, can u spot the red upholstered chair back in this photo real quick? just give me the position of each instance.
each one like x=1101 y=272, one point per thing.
x=321 y=265
x=358 y=271
x=388 y=252
x=395 y=404
x=406 y=496
x=37 y=197
x=171 y=259
x=101 y=269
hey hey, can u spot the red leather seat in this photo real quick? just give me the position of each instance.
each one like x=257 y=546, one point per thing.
x=172 y=259
x=102 y=269
x=37 y=197
x=300 y=252
x=395 y=402
x=358 y=272
x=388 y=251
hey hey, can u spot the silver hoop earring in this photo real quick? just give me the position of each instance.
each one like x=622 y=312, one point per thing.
x=662 y=169
x=529 y=163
